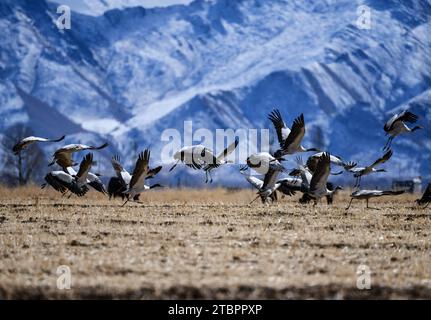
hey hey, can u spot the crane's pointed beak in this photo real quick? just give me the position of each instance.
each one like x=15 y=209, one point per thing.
x=173 y=167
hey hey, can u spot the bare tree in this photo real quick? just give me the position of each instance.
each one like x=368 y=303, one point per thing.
x=25 y=167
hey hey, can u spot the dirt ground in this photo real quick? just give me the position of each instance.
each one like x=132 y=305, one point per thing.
x=205 y=244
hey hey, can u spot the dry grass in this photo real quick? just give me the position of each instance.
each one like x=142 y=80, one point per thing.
x=210 y=244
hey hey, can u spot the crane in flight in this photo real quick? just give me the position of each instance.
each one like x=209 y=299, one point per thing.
x=26 y=142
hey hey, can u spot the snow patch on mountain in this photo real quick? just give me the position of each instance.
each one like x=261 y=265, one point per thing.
x=98 y=7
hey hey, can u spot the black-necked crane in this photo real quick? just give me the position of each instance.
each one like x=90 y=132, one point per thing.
x=335 y=160
x=141 y=172
x=116 y=188
x=26 y=142
x=269 y=185
x=287 y=186
x=303 y=172
x=62 y=182
x=292 y=143
x=280 y=126
x=397 y=125
x=319 y=182
x=257 y=184
x=213 y=162
x=84 y=169
x=123 y=175
x=329 y=198
x=358 y=173
x=96 y=183
x=368 y=194
x=63 y=156
x=426 y=197
x=191 y=156
x=93 y=180
x=77 y=184
x=262 y=162
x=119 y=184
x=306 y=175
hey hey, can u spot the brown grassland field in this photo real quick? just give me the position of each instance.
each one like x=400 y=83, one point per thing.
x=210 y=244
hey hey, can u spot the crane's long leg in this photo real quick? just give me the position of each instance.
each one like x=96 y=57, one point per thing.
x=331 y=199
x=388 y=143
x=358 y=178
x=359 y=181
x=255 y=199
x=427 y=205
x=350 y=203
x=178 y=161
x=274 y=196
x=125 y=202
x=368 y=207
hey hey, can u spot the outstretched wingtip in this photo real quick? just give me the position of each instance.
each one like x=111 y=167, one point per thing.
x=89 y=157
x=275 y=115
x=147 y=154
x=274 y=111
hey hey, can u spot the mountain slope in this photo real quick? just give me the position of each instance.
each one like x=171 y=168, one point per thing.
x=129 y=74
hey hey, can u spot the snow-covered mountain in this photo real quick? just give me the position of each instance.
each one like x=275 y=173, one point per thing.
x=98 y=7
x=127 y=75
